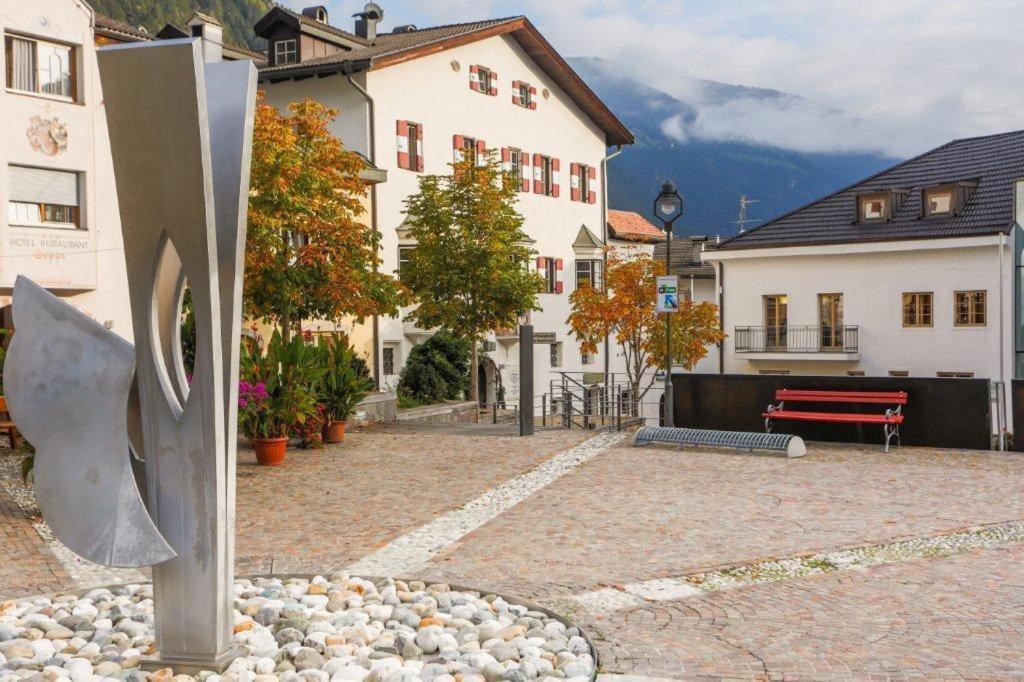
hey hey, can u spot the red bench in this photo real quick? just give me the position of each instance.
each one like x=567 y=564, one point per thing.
x=890 y=420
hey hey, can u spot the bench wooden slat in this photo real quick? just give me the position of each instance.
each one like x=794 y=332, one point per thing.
x=865 y=397
x=835 y=417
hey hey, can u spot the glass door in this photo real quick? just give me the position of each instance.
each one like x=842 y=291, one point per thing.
x=830 y=321
x=775 y=319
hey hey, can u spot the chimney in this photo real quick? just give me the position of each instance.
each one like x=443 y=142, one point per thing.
x=211 y=33
x=367 y=20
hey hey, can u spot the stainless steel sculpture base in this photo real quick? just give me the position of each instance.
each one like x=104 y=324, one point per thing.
x=189 y=665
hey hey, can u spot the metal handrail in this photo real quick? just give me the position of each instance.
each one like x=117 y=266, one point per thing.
x=797 y=339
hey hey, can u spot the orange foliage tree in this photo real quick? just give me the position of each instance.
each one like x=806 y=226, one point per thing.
x=624 y=309
x=308 y=255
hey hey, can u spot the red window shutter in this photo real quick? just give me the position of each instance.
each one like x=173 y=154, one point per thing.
x=533 y=98
x=574 y=182
x=418 y=159
x=592 y=175
x=558 y=287
x=540 y=262
x=538 y=165
x=457 y=142
x=402 y=143
x=506 y=159
x=474 y=78
x=481 y=152
x=555 y=165
x=527 y=173
x=515 y=92
x=494 y=83
x=559 y=265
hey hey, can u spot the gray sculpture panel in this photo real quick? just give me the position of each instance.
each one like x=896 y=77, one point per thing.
x=67 y=381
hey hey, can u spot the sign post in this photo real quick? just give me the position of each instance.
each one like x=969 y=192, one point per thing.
x=526 y=341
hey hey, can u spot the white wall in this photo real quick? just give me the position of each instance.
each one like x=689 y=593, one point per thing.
x=428 y=91
x=86 y=266
x=872 y=279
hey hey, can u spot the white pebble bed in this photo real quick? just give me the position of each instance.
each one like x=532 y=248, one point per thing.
x=297 y=630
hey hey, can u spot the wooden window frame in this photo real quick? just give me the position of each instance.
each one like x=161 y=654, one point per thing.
x=547 y=183
x=931 y=310
x=517 y=159
x=780 y=331
x=594 y=266
x=971 y=312
x=402 y=249
x=887 y=206
x=278 y=53
x=74 y=51
x=926 y=193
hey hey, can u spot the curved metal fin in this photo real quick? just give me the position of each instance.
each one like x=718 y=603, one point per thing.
x=64 y=369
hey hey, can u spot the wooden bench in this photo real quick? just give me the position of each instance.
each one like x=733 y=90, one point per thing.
x=7 y=425
x=890 y=419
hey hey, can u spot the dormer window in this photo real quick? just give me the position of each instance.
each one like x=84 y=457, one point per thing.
x=946 y=200
x=938 y=202
x=286 y=51
x=874 y=207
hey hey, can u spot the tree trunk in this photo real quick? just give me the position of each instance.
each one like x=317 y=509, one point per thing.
x=474 y=376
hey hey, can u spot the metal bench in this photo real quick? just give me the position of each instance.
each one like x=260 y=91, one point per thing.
x=890 y=419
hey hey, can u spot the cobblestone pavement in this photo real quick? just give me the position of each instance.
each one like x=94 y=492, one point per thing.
x=626 y=516
x=27 y=564
x=328 y=508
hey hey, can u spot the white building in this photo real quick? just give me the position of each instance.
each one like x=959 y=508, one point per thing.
x=59 y=222
x=411 y=99
x=907 y=273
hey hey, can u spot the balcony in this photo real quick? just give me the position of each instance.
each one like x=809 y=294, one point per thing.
x=797 y=343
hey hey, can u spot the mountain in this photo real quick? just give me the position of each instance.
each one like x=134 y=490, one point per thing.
x=237 y=16
x=712 y=175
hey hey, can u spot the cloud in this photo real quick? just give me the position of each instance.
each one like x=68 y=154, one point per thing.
x=898 y=76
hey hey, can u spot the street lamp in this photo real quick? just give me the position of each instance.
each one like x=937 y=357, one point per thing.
x=668 y=207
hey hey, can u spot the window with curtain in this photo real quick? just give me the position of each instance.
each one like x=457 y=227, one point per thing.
x=43 y=197
x=39 y=66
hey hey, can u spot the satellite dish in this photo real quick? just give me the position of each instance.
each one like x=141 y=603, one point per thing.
x=373 y=11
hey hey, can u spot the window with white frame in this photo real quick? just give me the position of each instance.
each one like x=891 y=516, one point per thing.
x=518 y=163
x=388 y=360
x=42 y=197
x=39 y=66
x=404 y=252
x=588 y=273
x=286 y=51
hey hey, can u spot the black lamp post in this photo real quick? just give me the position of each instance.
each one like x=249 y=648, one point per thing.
x=668 y=207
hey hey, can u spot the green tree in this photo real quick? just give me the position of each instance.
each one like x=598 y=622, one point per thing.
x=437 y=369
x=468 y=270
x=237 y=16
x=308 y=253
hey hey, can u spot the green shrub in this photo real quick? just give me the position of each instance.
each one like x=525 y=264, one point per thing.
x=437 y=370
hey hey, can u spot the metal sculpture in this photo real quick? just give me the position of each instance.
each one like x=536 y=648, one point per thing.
x=181 y=165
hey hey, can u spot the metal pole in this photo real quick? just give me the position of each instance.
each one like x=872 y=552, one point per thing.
x=668 y=332
x=525 y=411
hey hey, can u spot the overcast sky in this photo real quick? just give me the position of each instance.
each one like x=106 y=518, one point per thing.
x=897 y=76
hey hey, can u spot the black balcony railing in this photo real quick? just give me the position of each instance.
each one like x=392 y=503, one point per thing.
x=800 y=339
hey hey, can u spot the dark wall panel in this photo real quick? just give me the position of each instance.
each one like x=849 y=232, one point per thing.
x=948 y=413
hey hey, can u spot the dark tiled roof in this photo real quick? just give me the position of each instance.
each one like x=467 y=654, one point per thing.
x=686 y=260
x=313 y=23
x=632 y=227
x=993 y=161
x=242 y=51
x=387 y=43
x=118 y=29
x=392 y=48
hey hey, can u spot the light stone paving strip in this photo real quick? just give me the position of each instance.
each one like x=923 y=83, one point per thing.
x=697 y=584
x=411 y=552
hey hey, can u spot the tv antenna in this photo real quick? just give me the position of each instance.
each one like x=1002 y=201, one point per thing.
x=743 y=219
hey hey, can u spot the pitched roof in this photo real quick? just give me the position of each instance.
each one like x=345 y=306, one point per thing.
x=394 y=48
x=993 y=161
x=686 y=260
x=118 y=29
x=632 y=227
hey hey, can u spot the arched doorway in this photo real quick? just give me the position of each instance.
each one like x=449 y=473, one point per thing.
x=488 y=380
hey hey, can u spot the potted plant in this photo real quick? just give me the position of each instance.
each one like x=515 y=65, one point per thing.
x=276 y=394
x=342 y=386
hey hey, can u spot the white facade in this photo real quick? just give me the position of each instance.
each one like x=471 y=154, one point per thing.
x=434 y=92
x=54 y=149
x=872 y=278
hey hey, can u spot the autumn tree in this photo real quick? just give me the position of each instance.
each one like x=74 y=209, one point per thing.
x=468 y=270
x=308 y=254
x=624 y=309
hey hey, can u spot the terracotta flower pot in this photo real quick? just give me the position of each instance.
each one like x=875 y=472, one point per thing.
x=334 y=432
x=269 y=451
